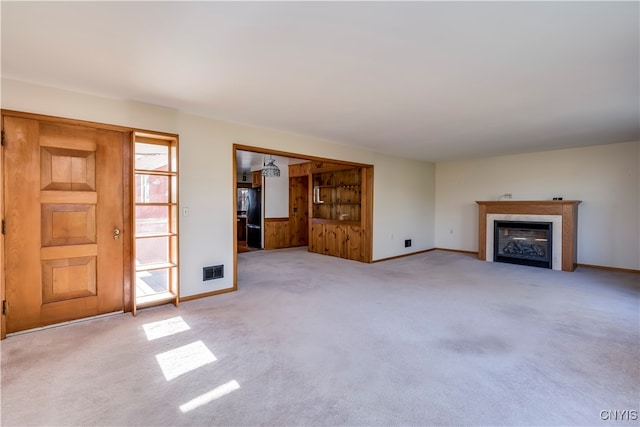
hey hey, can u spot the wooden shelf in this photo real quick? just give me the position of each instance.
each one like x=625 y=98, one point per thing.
x=336 y=194
x=337 y=203
x=152 y=235
x=334 y=221
x=157 y=266
x=337 y=186
x=155 y=299
x=155 y=172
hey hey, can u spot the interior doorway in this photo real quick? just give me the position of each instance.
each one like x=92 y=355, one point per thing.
x=293 y=225
x=271 y=211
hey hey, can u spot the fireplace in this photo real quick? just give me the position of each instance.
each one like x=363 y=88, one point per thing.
x=563 y=214
x=524 y=243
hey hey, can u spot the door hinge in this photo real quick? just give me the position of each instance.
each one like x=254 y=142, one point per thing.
x=3 y=138
x=4 y=307
x=4 y=228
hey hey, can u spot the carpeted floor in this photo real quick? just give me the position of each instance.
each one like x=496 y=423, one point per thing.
x=433 y=339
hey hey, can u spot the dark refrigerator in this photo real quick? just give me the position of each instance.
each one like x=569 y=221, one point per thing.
x=254 y=218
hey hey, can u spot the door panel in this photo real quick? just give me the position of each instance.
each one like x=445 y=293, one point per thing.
x=353 y=248
x=316 y=240
x=63 y=201
x=68 y=224
x=334 y=238
x=299 y=211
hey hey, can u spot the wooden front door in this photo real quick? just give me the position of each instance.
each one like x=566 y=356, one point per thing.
x=64 y=221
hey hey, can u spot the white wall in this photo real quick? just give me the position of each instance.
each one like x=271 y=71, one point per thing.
x=276 y=191
x=206 y=234
x=606 y=178
x=404 y=206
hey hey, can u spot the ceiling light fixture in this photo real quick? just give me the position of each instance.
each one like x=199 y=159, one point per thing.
x=270 y=169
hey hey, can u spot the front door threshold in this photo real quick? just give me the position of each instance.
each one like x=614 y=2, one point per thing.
x=70 y=322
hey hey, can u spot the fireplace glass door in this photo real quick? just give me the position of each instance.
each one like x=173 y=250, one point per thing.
x=525 y=243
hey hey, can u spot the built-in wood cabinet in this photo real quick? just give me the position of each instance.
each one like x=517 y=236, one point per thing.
x=337 y=195
x=340 y=240
x=341 y=210
x=256 y=179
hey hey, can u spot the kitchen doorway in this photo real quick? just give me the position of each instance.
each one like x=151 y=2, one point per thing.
x=287 y=202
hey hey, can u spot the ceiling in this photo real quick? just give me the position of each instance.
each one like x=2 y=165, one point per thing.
x=428 y=80
x=247 y=161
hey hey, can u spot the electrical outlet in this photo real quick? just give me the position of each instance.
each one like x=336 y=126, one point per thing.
x=407 y=243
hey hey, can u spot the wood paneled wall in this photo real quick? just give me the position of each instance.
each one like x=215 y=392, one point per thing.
x=276 y=233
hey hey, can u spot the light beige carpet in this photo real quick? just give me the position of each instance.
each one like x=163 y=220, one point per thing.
x=433 y=339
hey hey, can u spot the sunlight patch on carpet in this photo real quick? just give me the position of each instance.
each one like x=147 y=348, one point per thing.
x=210 y=396
x=165 y=328
x=184 y=359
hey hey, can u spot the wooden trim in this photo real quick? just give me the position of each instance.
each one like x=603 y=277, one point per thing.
x=403 y=255
x=262 y=150
x=68 y=121
x=3 y=317
x=175 y=198
x=153 y=139
x=568 y=209
x=207 y=294
x=616 y=269
x=331 y=167
x=366 y=216
x=129 y=224
x=482 y=232
x=234 y=219
x=281 y=219
x=460 y=251
x=156 y=302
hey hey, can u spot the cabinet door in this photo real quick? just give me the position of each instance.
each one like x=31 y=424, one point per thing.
x=334 y=240
x=256 y=179
x=353 y=245
x=316 y=240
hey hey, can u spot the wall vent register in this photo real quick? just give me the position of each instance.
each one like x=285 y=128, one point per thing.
x=213 y=272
